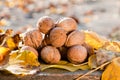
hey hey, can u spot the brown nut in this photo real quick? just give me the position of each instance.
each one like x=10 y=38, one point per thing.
x=77 y=54
x=68 y=24
x=74 y=38
x=28 y=48
x=50 y=55
x=32 y=38
x=45 y=24
x=58 y=37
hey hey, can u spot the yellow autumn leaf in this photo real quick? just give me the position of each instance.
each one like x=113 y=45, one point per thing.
x=10 y=43
x=22 y=63
x=112 y=72
x=112 y=46
x=65 y=65
x=3 y=51
x=93 y=39
x=13 y=42
x=25 y=58
x=92 y=62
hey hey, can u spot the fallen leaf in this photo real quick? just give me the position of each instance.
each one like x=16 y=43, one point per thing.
x=94 y=40
x=4 y=52
x=25 y=58
x=103 y=56
x=112 y=72
x=92 y=62
x=22 y=63
x=112 y=46
x=65 y=65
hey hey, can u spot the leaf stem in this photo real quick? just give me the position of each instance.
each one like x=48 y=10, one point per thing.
x=93 y=70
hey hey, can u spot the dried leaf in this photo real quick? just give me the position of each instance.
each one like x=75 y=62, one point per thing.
x=112 y=72
x=112 y=46
x=12 y=42
x=4 y=52
x=22 y=63
x=103 y=56
x=65 y=65
x=93 y=39
x=92 y=61
x=25 y=58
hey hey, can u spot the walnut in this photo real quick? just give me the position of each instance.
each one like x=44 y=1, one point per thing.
x=74 y=38
x=58 y=37
x=32 y=38
x=45 y=24
x=77 y=54
x=68 y=24
x=50 y=55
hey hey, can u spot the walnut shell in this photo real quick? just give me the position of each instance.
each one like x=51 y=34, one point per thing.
x=77 y=54
x=74 y=38
x=68 y=24
x=50 y=55
x=58 y=37
x=29 y=49
x=32 y=38
x=45 y=24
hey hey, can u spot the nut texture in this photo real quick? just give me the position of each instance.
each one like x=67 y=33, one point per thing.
x=32 y=38
x=68 y=24
x=45 y=24
x=29 y=49
x=74 y=38
x=50 y=55
x=58 y=37
x=77 y=54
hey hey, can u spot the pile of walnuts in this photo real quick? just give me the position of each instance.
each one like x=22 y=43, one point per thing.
x=52 y=41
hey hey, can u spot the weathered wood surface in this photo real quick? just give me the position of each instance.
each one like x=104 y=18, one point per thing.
x=53 y=74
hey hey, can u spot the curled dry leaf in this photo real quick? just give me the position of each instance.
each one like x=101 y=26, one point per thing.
x=94 y=40
x=4 y=53
x=65 y=65
x=12 y=42
x=112 y=46
x=22 y=63
x=112 y=72
x=103 y=56
x=92 y=61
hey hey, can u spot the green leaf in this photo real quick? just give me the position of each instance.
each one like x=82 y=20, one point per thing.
x=65 y=65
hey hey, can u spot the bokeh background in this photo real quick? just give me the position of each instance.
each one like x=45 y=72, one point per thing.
x=101 y=16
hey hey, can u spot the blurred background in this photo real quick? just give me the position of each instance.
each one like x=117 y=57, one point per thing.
x=101 y=16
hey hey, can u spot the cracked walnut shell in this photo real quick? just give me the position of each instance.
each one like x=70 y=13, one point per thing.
x=32 y=38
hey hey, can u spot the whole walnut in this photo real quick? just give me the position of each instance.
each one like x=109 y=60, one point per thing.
x=50 y=55
x=68 y=24
x=32 y=38
x=28 y=48
x=77 y=54
x=58 y=37
x=74 y=38
x=45 y=24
